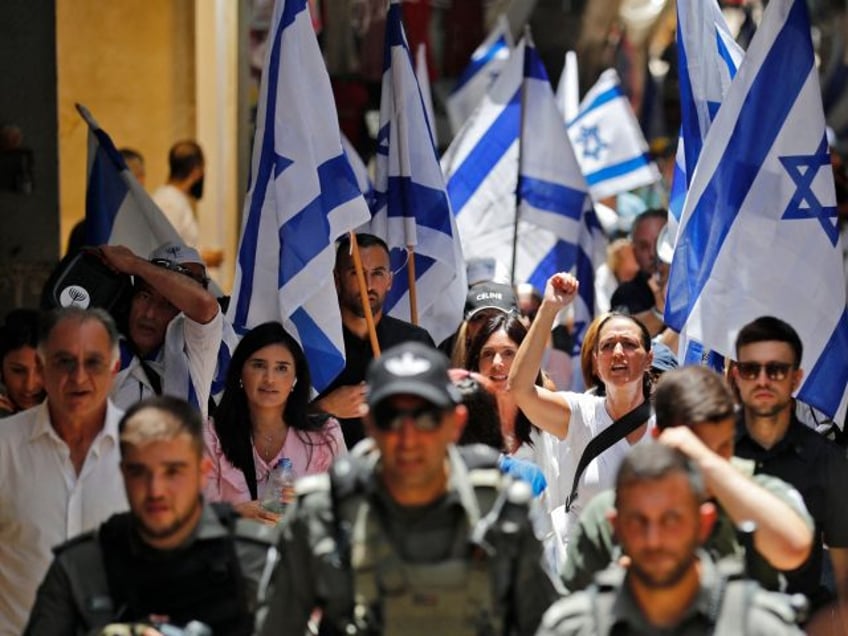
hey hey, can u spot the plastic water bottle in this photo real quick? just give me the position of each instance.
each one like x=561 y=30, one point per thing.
x=280 y=489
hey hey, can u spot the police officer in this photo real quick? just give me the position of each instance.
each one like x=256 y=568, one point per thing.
x=412 y=538
x=670 y=586
x=171 y=559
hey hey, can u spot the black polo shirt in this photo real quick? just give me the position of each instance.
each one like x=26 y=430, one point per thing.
x=358 y=355
x=818 y=468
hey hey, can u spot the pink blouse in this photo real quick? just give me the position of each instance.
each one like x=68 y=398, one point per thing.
x=227 y=483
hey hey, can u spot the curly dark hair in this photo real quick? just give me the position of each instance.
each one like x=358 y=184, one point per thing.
x=231 y=419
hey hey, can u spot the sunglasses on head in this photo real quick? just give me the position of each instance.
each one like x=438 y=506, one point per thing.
x=424 y=418
x=775 y=371
x=180 y=269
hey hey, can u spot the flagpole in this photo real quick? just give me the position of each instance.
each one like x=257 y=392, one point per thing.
x=363 y=295
x=518 y=167
x=413 y=294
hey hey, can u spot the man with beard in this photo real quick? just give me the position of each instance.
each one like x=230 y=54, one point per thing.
x=670 y=586
x=345 y=397
x=766 y=374
x=171 y=559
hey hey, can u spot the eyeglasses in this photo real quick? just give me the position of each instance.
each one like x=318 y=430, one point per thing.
x=775 y=371
x=173 y=266
x=425 y=419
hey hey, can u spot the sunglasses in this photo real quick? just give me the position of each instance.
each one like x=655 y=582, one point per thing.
x=425 y=419
x=775 y=371
x=173 y=266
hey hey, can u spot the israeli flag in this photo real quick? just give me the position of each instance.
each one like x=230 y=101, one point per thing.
x=360 y=170
x=758 y=233
x=413 y=209
x=554 y=228
x=553 y=194
x=568 y=88
x=486 y=63
x=118 y=210
x=302 y=196
x=708 y=58
x=610 y=146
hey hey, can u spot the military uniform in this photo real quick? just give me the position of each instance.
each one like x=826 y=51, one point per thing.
x=593 y=546
x=111 y=575
x=468 y=563
x=726 y=605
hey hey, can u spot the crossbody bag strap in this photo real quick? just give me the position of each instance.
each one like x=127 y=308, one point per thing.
x=619 y=429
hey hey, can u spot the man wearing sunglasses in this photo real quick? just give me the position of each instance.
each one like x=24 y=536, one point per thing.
x=174 y=328
x=766 y=373
x=412 y=537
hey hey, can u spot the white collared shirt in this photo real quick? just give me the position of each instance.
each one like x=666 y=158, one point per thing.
x=43 y=502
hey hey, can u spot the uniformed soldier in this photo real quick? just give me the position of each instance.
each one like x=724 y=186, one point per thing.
x=172 y=559
x=413 y=538
x=670 y=586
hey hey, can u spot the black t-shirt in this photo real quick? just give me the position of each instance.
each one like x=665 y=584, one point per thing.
x=633 y=296
x=818 y=469
x=390 y=332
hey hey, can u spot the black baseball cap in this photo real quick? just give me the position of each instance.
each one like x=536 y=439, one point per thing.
x=489 y=295
x=411 y=368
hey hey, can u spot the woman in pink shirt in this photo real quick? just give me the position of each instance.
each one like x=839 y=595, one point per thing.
x=263 y=418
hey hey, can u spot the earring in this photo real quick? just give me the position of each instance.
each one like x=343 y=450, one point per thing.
x=241 y=384
x=294 y=382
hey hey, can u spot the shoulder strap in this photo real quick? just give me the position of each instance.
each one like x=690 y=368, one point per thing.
x=619 y=429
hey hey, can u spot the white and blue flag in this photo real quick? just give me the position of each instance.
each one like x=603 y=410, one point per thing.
x=609 y=144
x=553 y=194
x=118 y=210
x=486 y=63
x=413 y=208
x=302 y=196
x=556 y=227
x=758 y=234
x=708 y=58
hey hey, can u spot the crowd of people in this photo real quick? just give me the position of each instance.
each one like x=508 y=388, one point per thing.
x=469 y=488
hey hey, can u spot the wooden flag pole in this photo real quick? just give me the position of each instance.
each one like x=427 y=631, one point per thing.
x=413 y=295
x=363 y=295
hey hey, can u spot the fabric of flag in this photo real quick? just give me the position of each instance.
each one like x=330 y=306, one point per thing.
x=360 y=171
x=568 y=88
x=758 y=235
x=556 y=228
x=422 y=74
x=486 y=63
x=118 y=210
x=302 y=196
x=708 y=58
x=414 y=209
x=609 y=144
x=553 y=194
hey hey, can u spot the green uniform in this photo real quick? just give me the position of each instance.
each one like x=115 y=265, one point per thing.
x=468 y=563
x=111 y=576
x=724 y=606
x=593 y=546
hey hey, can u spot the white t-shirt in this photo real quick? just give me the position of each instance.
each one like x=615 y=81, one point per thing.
x=177 y=207
x=43 y=502
x=588 y=418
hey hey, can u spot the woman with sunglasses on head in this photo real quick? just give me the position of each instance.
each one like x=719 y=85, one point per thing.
x=622 y=361
x=263 y=418
x=19 y=369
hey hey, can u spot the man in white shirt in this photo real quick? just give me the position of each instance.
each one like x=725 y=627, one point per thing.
x=59 y=461
x=184 y=188
x=174 y=328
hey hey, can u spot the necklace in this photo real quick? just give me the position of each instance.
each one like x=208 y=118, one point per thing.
x=268 y=444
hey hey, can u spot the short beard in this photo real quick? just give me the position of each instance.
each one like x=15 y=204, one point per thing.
x=178 y=524
x=669 y=580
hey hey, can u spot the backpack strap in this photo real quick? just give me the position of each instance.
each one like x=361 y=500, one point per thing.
x=616 y=431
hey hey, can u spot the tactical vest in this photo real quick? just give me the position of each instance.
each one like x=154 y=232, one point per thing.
x=732 y=599
x=385 y=594
x=203 y=583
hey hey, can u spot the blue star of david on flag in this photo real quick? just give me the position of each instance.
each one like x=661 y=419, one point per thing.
x=803 y=170
x=590 y=139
